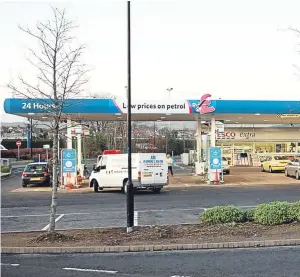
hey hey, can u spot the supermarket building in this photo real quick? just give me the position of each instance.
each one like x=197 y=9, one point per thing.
x=239 y=126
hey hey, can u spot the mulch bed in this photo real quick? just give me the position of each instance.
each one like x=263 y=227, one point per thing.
x=197 y=233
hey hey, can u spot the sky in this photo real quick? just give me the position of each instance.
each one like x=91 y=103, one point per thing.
x=231 y=49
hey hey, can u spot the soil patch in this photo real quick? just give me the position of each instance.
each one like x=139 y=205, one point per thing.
x=196 y=233
x=52 y=237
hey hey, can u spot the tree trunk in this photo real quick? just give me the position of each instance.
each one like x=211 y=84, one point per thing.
x=54 y=181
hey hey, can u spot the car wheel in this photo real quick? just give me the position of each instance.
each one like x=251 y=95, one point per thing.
x=297 y=175
x=24 y=185
x=286 y=173
x=156 y=190
x=262 y=169
x=270 y=169
x=95 y=186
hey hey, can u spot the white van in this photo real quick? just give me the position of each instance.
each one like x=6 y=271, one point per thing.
x=149 y=171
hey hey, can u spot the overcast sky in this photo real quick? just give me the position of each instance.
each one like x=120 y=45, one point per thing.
x=232 y=49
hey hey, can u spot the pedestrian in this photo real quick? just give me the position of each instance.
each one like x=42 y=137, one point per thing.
x=170 y=164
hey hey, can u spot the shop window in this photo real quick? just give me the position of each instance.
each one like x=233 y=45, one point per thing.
x=264 y=148
x=291 y=147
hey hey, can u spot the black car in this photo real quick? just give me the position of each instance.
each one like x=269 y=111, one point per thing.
x=36 y=173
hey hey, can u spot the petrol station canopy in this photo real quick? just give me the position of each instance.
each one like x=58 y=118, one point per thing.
x=228 y=111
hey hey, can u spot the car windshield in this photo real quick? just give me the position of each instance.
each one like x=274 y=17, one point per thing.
x=35 y=167
x=281 y=158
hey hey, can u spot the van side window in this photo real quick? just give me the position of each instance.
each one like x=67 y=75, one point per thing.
x=104 y=161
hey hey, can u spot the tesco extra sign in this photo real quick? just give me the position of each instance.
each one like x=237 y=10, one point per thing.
x=226 y=135
x=235 y=135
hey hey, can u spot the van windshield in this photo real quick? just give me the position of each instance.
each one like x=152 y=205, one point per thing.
x=281 y=158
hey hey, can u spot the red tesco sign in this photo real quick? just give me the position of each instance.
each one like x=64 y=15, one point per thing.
x=18 y=143
x=226 y=135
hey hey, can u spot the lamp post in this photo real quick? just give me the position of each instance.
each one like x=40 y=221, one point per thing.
x=154 y=137
x=30 y=133
x=130 y=196
x=31 y=139
x=166 y=137
x=169 y=90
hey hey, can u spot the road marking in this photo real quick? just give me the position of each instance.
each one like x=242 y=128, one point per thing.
x=180 y=276
x=48 y=225
x=189 y=209
x=140 y=211
x=136 y=219
x=10 y=264
x=181 y=167
x=37 y=215
x=32 y=189
x=91 y=270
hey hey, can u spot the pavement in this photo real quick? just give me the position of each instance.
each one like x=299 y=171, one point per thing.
x=262 y=262
x=30 y=211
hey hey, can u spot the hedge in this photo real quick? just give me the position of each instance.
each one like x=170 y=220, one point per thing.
x=296 y=211
x=273 y=213
x=5 y=169
x=11 y=143
x=222 y=214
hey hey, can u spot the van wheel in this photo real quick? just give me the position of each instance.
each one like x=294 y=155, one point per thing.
x=124 y=189
x=156 y=190
x=297 y=175
x=95 y=186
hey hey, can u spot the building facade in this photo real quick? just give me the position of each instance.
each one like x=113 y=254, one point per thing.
x=249 y=144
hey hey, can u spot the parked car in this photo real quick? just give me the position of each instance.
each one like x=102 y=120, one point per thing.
x=36 y=173
x=293 y=169
x=274 y=163
x=225 y=165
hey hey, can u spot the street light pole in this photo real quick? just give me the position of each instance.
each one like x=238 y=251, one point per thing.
x=154 y=137
x=31 y=139
x=169 y=90
x=130 y=196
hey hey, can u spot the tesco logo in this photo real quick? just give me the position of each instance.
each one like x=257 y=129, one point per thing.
x=226 y=135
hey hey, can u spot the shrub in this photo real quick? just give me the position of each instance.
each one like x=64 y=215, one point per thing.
x=295 y=210
x=249 y=215
x=222 y=214
x=274 y=213
x=5 y=169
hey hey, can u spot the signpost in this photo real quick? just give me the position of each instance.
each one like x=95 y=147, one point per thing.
x=18 y=143
x=68 y=167
x=46 y=146
x=215 y=163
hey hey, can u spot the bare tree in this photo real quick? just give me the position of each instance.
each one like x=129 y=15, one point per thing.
x=114 y=131
x=61 y=76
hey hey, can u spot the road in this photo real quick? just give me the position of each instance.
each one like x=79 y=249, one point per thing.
x=262 y=262
x=30 y=211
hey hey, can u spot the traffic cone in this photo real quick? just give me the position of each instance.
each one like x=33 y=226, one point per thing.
x=217 y=180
